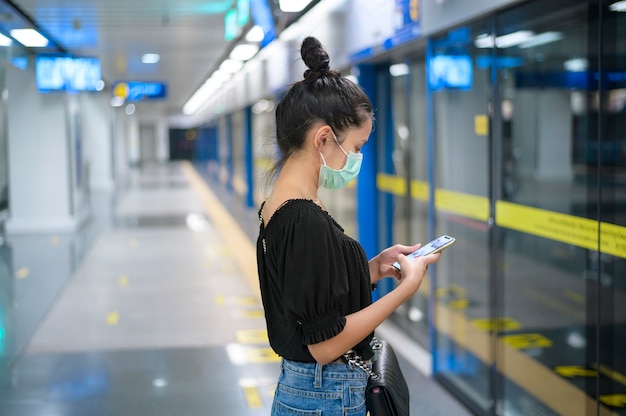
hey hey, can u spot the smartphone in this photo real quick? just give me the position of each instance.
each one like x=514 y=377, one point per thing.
x=434 y=246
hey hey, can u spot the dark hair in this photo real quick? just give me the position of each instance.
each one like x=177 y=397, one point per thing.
x=322 y=96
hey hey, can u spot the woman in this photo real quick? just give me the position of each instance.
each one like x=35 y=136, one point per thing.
x=316 y=281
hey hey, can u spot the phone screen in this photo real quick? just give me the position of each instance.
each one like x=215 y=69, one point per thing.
x=434 y=246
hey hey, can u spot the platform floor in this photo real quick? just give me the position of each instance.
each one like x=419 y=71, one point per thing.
x=150 y=309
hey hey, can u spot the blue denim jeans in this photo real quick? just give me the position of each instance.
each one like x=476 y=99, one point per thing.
x=333 y=389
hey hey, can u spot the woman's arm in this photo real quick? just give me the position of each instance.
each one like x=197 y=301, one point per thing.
x=362 y=323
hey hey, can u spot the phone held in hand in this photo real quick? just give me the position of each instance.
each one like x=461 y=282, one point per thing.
x=434 y=246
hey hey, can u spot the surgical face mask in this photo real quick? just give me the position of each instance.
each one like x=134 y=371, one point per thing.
x=335 y=179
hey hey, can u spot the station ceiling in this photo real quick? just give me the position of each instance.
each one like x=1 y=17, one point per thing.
x=187 y=34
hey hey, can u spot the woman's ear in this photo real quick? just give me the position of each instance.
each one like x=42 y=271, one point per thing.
x=321 y=136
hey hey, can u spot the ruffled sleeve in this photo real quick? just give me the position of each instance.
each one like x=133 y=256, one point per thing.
x=315 y=275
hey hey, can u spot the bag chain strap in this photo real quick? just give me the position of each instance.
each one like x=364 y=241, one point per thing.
x=355 y=359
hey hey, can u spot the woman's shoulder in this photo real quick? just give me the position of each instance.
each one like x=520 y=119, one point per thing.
x=296 y=209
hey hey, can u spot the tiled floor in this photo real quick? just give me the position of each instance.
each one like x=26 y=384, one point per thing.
x=145 y=312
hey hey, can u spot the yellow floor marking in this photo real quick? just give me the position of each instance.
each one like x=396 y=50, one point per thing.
x=123 y=281
x=55 y=241
x=261 y=355
x=609 y=372
x=253 y=397
x=522 y=341
x=22 y=273
x=240 y=246
x=220 y=300
x=113 y=318
x=577 y=297
x=500 y=324
x=615 y=400
x=257 y=313
x=458 y=303
x=208 y=265
x=245 y=301
x=450 y=290
x=570 y=371
x=252 y=336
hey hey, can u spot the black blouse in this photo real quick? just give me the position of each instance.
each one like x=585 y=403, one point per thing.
x=312 y=275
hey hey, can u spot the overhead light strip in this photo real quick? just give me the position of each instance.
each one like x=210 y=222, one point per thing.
x=293 y=6
x=244 y=52
x=255 y=34
x=150 y=58
x=5 y=40
x=542 y=39
x=620 y=6
x=29 y=38
x=522 y=39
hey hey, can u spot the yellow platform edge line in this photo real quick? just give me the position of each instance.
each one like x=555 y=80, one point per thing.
x=240 y=245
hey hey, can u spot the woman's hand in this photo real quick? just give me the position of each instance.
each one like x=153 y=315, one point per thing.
x=414 y=270
x=381 y=265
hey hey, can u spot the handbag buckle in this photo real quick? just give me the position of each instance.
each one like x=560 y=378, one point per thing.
x=351 y=357
x=375 y=344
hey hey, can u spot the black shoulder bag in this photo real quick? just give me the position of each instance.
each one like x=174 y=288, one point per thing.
x=387 y=393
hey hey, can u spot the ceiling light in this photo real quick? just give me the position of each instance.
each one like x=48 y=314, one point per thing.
x=542 y=39
x=159 y=382
x=484 y=41
x=150 y=58
x=255 y=34
x=262 y=106
x=130 y=109
x=398 y=70
x=513 y=39
x=117 y=101
x=576 y=64
x=576 y=340
x=352 y=78
x=194 y=103
x=293 y=5
x=220 y=76
x=212 y=83
x=620 y=6
x=504 y=41
x=5 y=41
x=29 y=38
x=231 y=66
x=244 y=52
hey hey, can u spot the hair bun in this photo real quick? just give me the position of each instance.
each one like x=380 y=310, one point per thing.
x=314 y=55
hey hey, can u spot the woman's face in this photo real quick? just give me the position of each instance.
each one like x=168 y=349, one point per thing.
x=350 y=140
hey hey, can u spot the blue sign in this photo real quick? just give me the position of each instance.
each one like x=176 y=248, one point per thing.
x=450 y=72
x=137 y=91
x=407 y=23
x=262 y=16
x=409 y=12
